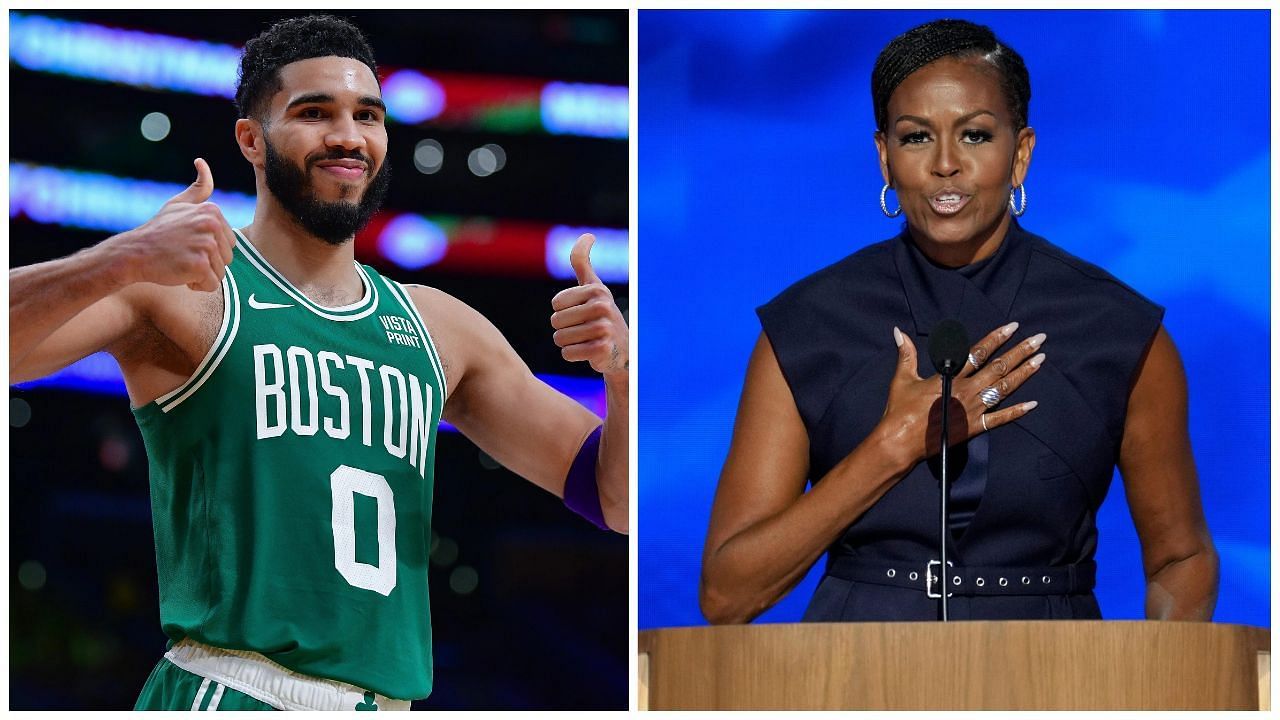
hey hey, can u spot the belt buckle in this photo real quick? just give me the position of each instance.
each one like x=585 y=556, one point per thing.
x=930 y=578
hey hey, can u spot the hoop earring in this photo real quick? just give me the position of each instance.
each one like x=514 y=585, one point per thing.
x=1018 y=210
x=884 y=207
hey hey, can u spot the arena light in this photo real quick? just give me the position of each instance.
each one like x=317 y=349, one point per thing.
x=486 y=160
x=131 y=57
x=485 y=246
x=476 y=245
x=610 y=257
x=96 y=201
x=583 y=109
x=412 y=241
x=164 y=62
x=99 y=373
x=428 y=156
x=412 y=97
x=155 y=126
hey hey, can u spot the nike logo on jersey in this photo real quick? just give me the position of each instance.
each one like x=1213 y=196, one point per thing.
x=259 y=305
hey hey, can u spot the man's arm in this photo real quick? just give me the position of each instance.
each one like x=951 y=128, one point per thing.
x=590 y=328
x=519 y=420
x=62 y=310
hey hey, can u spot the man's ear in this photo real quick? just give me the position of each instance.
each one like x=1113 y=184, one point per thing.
x=252 y=141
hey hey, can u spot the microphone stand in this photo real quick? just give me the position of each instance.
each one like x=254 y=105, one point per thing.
x=947 y=372
x=949 y=350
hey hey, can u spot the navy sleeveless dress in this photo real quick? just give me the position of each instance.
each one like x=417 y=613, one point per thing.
x=1024 y=506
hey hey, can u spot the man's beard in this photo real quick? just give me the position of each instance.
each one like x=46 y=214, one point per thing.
x=333 y=222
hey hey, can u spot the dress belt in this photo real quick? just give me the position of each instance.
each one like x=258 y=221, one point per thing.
x=971 y=580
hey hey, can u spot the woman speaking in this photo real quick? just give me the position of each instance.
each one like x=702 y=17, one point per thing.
x=1073 y=375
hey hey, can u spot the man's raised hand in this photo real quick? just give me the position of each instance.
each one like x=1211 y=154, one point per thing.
x=588 y=324
x=188 y=242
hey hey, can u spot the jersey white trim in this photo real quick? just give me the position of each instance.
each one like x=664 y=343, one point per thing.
x=276 y=685
x=346 y=313
x=226 y=335
x=433 y=353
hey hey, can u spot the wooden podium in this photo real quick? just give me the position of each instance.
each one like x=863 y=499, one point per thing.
x=1051 y=665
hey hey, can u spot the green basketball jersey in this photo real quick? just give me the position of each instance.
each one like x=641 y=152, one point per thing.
x=291 y=481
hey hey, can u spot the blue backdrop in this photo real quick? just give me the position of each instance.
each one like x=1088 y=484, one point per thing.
x=757 y=167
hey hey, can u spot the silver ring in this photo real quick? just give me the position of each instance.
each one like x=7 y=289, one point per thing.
x=973 y=361
x=991 y=397
x=984 y=422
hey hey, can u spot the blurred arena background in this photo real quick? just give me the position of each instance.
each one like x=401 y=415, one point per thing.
x=508 y=136
x=757 y=168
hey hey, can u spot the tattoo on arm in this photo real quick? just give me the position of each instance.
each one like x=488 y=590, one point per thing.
x=613 y=359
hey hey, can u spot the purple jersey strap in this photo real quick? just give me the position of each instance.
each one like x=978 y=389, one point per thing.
x=580 y=491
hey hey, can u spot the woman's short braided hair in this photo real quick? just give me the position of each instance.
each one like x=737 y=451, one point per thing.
x=921 y=45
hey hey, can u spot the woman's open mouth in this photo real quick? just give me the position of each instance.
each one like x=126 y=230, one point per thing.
x=949 y=202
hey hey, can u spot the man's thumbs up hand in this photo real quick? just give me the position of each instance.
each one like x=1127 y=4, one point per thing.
x=588 y=324
x=188 y=242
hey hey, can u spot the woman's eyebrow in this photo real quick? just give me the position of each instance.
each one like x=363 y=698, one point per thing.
x=922 y=121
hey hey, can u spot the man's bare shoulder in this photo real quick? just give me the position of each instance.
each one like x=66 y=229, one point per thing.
x=450 y=321
x=452 y=316
x=439 y=304
x=464 y=337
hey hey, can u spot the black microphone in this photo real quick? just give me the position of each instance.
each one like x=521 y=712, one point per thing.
x=948 y=347
x=949 y=350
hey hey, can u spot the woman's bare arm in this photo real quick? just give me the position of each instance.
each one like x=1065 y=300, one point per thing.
x=1159 y=472
x=766 y=531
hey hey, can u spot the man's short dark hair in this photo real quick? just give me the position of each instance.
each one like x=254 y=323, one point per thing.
x=921 y=45
x=290 y=41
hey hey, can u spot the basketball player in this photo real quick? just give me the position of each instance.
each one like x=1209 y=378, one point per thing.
x=288 y=398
